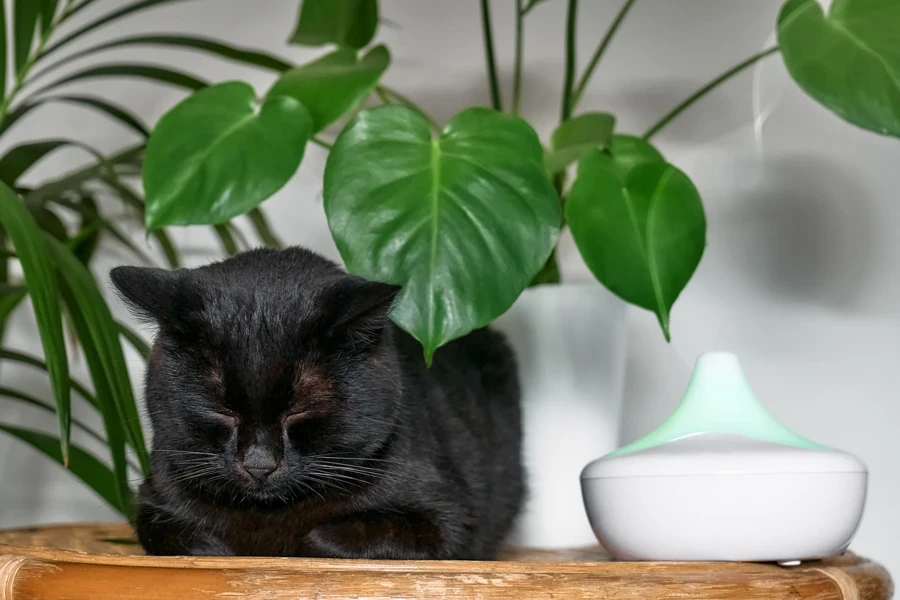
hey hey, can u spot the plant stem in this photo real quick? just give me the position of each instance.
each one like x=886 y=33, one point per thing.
x=706 y=89
x=408 y=103
x=549 y=273
x=571 y=34
x=29 y=63
x=382 y=95
x=517 y=70
x=488 y=35
x=598 y=53
x=531 y=4
x=320 y=142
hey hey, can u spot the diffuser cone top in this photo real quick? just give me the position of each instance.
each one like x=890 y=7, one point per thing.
x=719 y=400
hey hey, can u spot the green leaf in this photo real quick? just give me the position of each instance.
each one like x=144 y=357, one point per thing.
x=4 y=57
x=335 y=84
x=84 y=243
x=84 y=466
x=576 y=136
x=104 y=20
x=25 y=17
x=186 y=42
x=10 y=289
x=73 y=9
x=641 y=237
x=8 y=302
x=463 y=221
x=112 y=110
x=263 y=229
x=8 y=305
x=149 y=72
x=47 y=407
x=112 y=418
x=629 y=151
x=130 y=197
x=350 y=23
x=74 y=180
x=49 y=222
x=40 y=278
x=33 y=361
x=220 y=153
x=47 y=15
x=19 y=159
x=849 y=61
x=99 y=335
x=20 y=111
x=90 y=216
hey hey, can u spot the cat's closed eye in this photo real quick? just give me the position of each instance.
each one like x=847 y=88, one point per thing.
x=226 y=418
x=295 y=418
x=215 y=424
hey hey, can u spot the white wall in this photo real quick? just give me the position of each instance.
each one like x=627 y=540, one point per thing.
x=801 y=276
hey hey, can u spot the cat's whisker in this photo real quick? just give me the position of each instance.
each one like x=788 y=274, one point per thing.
x=352 y=458
x=346 y=465
x=343 y=478
x=351 y=469
x=188 y=475
x=331 y=484
x=192 y=474
x=310 y=488
x=380 y=421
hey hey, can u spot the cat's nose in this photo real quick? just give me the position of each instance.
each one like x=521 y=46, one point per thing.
x=260 y=471
x=261 y=457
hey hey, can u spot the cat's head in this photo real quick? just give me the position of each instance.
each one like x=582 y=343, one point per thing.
x=272 y=374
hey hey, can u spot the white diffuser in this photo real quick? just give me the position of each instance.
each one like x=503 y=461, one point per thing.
x=721 y=479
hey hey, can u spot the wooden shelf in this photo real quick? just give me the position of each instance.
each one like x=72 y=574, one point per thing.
x=100 y=561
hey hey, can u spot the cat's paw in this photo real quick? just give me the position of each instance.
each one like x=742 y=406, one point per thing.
x=211 y=547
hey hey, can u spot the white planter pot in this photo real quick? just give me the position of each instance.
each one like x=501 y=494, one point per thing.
x=570 y=344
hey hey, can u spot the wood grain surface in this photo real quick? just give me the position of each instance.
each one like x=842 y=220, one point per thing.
x=99 y=562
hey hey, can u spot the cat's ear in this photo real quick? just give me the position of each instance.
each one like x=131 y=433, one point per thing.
x=158 y=294
x=360 y=310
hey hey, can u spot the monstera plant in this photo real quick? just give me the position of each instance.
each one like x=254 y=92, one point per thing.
x=464 y=215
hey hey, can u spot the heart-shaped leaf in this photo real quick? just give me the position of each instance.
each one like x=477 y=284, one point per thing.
x=849 y=60
x=641 y=237
x=219 y=153
x=463 y=222
x=576 y=136
x=334 y=84
x=349 y=23
x=629 y=151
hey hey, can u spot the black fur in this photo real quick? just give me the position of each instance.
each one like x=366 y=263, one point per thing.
x=280 y=360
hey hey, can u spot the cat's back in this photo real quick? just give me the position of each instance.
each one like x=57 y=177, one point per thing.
x=480 y=364
x=465 y=414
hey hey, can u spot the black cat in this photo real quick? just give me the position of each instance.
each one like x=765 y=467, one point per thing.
x=292 y=418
